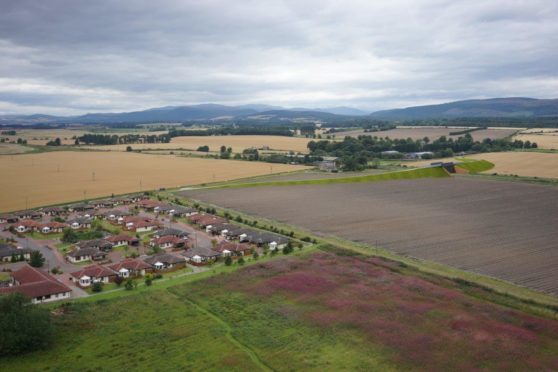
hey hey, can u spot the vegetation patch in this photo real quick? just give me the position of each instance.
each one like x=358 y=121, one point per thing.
x=476 y=166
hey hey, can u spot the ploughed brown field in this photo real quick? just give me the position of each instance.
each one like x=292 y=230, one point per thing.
x=34 y=180
x=507 y=230
x=432 y=133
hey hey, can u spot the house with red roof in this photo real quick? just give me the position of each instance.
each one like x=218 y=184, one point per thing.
x=93 y=274
x=131 y=267
x=37 y=285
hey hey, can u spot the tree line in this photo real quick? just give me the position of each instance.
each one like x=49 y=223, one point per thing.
x=114 y=139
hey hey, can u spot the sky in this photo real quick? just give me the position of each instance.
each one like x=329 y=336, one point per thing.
x=69 y=57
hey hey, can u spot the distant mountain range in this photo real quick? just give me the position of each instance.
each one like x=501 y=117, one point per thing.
x=496 y=107
x=487 y=108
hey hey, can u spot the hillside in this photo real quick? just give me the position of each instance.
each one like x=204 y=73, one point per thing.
x=495 y=107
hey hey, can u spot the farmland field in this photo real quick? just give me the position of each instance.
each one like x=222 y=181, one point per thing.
x=238 y=143
x=505 y=230
x=63 y=176
x=527 y=164
x=547 y=140
x=432 y=133
x=319 y=311
x=12 y=149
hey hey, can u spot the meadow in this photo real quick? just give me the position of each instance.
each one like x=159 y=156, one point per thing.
x=504 y=230
x=33 y=180
x=328 y=310
x=238 y=143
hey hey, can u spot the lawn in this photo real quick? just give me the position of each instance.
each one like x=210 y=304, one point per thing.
x=326 y=310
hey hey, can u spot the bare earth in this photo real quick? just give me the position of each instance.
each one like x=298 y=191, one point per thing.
x=432 y=133
x=238 y=143
x=36 y=176
x=505 y=230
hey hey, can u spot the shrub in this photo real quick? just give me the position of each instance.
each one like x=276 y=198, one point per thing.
x=24 y=327
x=37 y=259
x=130 y=284
x=148 y=280
x=97 y=287
x=228 y=261
x=118 y=280
x=256 y=255
x=241 y=261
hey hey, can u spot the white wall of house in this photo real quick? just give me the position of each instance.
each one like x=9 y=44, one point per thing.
x=53 y=297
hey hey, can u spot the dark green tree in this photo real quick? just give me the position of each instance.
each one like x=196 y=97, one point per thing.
x=37 y=259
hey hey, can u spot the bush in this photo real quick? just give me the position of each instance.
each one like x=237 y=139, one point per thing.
x=148 y=280
x=97 y=287
x=130 y=284
x=118 y=280
x=24 y=327
x=241 y=261
x=228 y=261
x=203 y=148
x=256 y=255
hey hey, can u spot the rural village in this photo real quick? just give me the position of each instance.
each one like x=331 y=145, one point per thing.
x=136 y=238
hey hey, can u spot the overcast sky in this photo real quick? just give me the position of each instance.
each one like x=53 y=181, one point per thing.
x=72 y=56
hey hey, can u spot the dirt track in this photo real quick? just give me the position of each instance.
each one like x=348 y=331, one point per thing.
x=505 y=230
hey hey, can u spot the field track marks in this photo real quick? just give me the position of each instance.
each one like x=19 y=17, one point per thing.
x=251 y=353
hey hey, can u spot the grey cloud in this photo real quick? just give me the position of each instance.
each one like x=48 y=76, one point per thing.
x=68 y=56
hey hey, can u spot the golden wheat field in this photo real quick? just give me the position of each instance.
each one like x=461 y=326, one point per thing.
x=238 y=143
x=11 y=149
x=547 y=140
x=42 y=136
x=64 y=176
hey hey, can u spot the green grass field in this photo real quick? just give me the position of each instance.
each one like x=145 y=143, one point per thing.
x=476 y=166
x=389 y=176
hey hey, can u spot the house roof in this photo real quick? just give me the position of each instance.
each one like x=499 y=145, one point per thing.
x=200 y=251
x=54 y=225
x=171 y=232
x=93 y=271
x=164 y=258
x=130 y=264
x=87 y=251
x=96 y=243
x=121 y=237
x=168 y=239
x=35 y=283
x=7 y=250
x=28 y=223
x=232 y=247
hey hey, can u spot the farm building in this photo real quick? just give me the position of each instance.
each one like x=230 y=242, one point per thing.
x=37 y=285
x=328 y=164
x=93 y=274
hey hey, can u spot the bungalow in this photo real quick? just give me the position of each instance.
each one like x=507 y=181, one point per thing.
x=168 y=241
x=204 y=220
x=149 y=205
x=52 y=227
x=101 y=244
x=93 y=274
x=103 y=203
x=235 y=232
x=131 y=267
x=114 y=215
x=272 y=241
x=171 y=232
x=122 y=201
x=219 y=229
x=24 y=226
x=165 y=261
x=53 y=211
x=140 y=224
x=233 y=249
x=123 y=240
x=179 y=211
x=29 y=215
x=8 y=218
x=80 y=222
x=80 y=207
x=7 y=251
x=37 y=285
x=201 y=255
x=86 y=254
x=163 y=208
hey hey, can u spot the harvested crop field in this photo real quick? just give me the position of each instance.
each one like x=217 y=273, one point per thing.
x=12 y=149
x=63 y=176
x=505 y=230
x=528 y=164
x=547 y=140
x=238 y=143
x=432 y=133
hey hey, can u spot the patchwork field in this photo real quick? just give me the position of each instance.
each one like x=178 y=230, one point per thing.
x=527 y=164
x=62 y=176
x=12 y=149
x=238 y=143
x=322 y=311
x=430 y=132
x=505 y=230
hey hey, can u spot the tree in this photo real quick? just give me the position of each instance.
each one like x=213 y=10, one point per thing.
x=148 y=280
x=24 y=327
x=128 y=148
x=69 y=236
x=97 y=287
x=256 y=255
x=118 y=280
x=37 y=259
x=13 y=258
x=203 y=148
x=241 y=261
x=228 y=261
